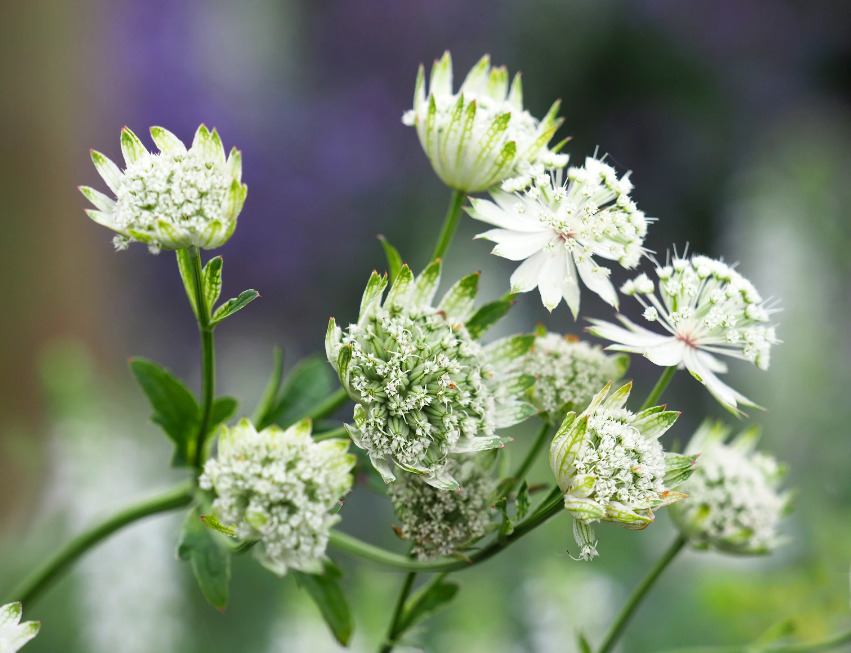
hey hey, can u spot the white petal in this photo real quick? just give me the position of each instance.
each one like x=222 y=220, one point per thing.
x=505 y=217
x=551 y=277
x=696 y=362
x=633 y=336
x=570 y=286
x=525 y=277
x=520 y=246
x=597 y=280
x=667 y=353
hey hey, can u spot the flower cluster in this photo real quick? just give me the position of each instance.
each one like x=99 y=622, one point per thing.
x=558 y=229
x=171 y=200
x=279 y=487
x=425 y=388
x=707 y=308
x=570 y=372
x=440 y=522
x=733 y=501
x=610 y=466
x=481 y=135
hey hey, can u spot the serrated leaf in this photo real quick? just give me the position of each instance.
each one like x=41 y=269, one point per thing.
x=426 y=603
x=212 y=281
x=267 y=402
x=210 y=561
x=488 y=315
x=233 y=305
x=326 y=593
x=306 y=386
x=175 y=407
x=394 y=260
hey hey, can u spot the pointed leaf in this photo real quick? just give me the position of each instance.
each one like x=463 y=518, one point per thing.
x=488 y=315
x=184 y=265
x=210 y=561
x=305 y=387
x=222 y=410
x=212 y=281
x=231 y=306
x=326 y=593
x=582 y=642
x=506 y=527
x=394 y=260
x=269 y=399
x=426 y=603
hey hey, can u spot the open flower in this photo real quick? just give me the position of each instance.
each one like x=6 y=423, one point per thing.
x=706 y=308
x=279 y=487
x=560 y=230
x=733 y=501
x=13 y=634
x=610 y=466
x=174 y=199
x=425 y=387
x=481 y=135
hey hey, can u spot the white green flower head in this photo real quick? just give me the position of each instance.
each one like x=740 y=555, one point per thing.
x=705 y=307
x=734 y=504
x=481 y=135
x=610 y=466
x=561 y=230
x=279 y=487
x=424 y=387
x=13 y=634
x=173 y=199
x=439 y=522
x=569 y=372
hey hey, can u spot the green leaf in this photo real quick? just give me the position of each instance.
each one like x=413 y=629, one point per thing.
x=210 y=561
x=184 y=265
x=426 y=603
x=233 y=305
x=326 y=593
x=270 y=394
x=306 y=386
x=394 y=260
x=488 y=315
x=584 y=645
x=212 y=522
x=222 y=410
x=506 y=528
x=212 y=281
x=521 y=503
x=175 y=407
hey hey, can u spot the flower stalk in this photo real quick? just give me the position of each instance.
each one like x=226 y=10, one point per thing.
x=450 y=224
x=660 y=387
x=393 y=630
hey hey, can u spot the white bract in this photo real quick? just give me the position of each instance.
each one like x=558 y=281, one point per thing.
x=559 y=230
x=733 y=501
x=706 y=308
x=569 y=372
x=481 y=135
x=279 y=487
x=171 y=200
x=425 y=387
x=610 y=466
x=13 y=634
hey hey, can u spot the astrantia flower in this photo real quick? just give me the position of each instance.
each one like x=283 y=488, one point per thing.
x=733 y=501
x=425 y=388
x=13 y=634
x=173 y=199
x=481 y=135
x=611 y=467
x=440 y=522
x=570 y=372
x=706 y=308
x=279 y=486
x=559 y=230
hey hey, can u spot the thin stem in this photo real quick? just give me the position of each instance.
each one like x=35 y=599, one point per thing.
x=34 y=584
x=208 y=353
x=528 y=461
x=659 y=388
x=330 y=435
x=450 y=224
x=638 y=594
x=393 y=630
x=331 y=403
x=831 y=643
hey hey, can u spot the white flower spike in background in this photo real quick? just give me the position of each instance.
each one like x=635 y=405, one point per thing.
x=707 y=308
x=171 y=200
x=558 y=230
x=13 y=634
x=481 y=135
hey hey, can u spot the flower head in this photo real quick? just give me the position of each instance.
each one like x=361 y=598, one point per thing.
x=279 y=487
x=171 y=200
x=481 y=135
x=706 y=308
x=569 y=371
x=425 y=387
x=610 y=466
x=560 y=230
x=440 y=522
x=13 y=634
x=733 y=501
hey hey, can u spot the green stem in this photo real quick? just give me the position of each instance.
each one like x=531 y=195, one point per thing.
x=330 y=435
x=828 y=644
x=638 y=594
x=450 y=224
x=528 y=461
x=331 y=403
x=393 y=630
x=34 y=584
x=659 y=388
x=550 y=507
x=208 y=353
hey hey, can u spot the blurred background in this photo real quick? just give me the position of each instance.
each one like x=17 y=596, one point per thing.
x=733 y=117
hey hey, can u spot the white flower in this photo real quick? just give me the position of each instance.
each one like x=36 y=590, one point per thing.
x=610 y=466
x=174 y=199
x=279 y=487
x=558 y=230
x=425 y=388
x=13 y=634
x=733 y=504
x=481 y=135
x=706 y=308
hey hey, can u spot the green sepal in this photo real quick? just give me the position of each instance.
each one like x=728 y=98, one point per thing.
x=305 y=387
x=678 y=468
x=212 y=522
x=394 y=259
x=372 y=293
x=426 y=603
x=653 y=425
x=184 y=265
x=506 y=350
x=328 y=596
x=269 y=398
x=400 y=290
x=458 y=301
x=210 y=561
x=486 y=316
x=233 y=305
x=212 y=276
x=426 y=284
x=131 y=147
